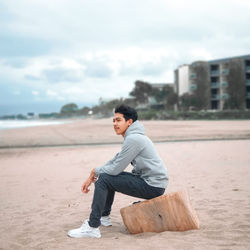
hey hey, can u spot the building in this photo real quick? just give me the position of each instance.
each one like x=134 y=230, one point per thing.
x=216 y=84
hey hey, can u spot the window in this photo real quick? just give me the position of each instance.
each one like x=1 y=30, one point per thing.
x=225 y=96
x=214 y=79
x=225 y=72
x=214 y=67
x=193 y=87
x=214 y=104
x=192 y=76
x=224 y=84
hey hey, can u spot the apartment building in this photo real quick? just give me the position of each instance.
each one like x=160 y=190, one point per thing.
x=217 y=84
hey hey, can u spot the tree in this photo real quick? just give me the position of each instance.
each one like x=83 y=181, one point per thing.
x=21 y=117
x=159 y=95
x=105 y=109
x=69 y=108
x=130 y=102
x=113 y=103
x=171 y=97
x=188 y=101
x=236 y=85
x=142 y=91
x=84 y=111
x=165 y=96
x=202 y=86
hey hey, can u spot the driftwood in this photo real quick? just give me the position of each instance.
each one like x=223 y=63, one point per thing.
x=172 y=212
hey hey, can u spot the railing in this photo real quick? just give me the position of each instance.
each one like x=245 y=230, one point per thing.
x=192 y=76
x=224 y=84
x=225 y=96
x=215 y=97
x=247 y=68
x=219 y=97
x=214 y=85
x=224 y=71
x=248 y=96
x=214 y=72
x=248 y=82
x=193 y=87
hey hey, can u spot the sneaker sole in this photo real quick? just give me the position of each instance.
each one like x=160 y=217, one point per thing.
x=106 y=225
x=83 y=236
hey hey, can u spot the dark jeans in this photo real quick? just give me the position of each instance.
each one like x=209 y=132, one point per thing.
x=126 y=183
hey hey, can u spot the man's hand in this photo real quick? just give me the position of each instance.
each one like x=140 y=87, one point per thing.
x=85 y=186
x=87 y=183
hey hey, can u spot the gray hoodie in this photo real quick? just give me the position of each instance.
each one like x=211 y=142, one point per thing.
x=138 y=150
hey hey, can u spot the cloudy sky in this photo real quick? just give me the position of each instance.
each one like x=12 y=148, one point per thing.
x=53 y=52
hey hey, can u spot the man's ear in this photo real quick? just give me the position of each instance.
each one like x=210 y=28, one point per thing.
x=130 y=121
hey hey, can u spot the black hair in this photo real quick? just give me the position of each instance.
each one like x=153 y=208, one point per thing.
x=127 y=111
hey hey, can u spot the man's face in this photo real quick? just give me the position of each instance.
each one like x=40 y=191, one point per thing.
x=120 y=124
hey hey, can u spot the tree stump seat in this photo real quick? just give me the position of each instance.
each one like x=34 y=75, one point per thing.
x=171 y=212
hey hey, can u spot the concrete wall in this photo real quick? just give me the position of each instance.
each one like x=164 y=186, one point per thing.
x=183 y=77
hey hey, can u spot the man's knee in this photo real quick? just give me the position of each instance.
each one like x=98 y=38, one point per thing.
x=103 y=179
x=107 y=181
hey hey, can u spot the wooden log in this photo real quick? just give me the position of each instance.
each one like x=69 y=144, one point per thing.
x=171 y=212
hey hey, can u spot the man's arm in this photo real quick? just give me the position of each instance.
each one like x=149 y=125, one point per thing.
x=91 y=179
x=130 y=149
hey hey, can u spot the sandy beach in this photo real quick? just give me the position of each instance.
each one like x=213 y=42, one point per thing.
x=42 y=169
x=85 y=132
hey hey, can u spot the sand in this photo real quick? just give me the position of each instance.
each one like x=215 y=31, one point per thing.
x=40 y=197
x=84 y=132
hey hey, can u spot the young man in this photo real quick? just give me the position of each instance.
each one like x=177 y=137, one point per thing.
x=148 y=179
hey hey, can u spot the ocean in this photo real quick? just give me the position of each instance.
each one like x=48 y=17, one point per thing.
x=12 y=124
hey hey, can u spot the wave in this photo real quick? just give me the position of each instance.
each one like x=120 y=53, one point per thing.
x=12 y=124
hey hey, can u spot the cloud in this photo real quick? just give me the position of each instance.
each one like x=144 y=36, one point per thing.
x=13 y=45
x=10 y=92
x=51 y=93
x=35 y=93
x=97 y=70
x=144 y=69
x=31 y=78
x=81 y=26
x=16 y=62
x=58 y=74
x=82 y=50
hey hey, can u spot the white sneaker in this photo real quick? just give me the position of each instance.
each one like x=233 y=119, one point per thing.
x=85 y=231
x=106 y=221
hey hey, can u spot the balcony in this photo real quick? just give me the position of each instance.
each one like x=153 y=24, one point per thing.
x=248 y=82
x=247 y=68
x=214 y=72
x=248 y=96
x=193 y=87
x=225 y=96
x=192 y=76
x=215 y=85
x=224 y=84
x=215 y=97
x=225 y=72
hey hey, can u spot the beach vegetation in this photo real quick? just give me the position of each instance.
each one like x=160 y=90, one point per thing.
x=69 y=108
x=141 y=92
x=160 y=103
x=236 y=85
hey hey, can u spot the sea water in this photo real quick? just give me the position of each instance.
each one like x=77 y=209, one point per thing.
x=12 y=124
